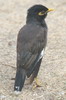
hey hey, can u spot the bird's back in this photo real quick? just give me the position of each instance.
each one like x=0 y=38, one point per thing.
x=31 y=40
x=31 y=34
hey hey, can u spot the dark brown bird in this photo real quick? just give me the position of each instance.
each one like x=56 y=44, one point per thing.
x=31 y=43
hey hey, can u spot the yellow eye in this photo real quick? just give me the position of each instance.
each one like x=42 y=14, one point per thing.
x=41 y=13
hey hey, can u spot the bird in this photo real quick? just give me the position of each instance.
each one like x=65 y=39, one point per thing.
x=31 y=44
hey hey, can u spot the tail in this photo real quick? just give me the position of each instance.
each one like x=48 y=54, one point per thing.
x=20 y=79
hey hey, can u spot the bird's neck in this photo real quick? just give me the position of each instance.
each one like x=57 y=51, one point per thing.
x=35 y=21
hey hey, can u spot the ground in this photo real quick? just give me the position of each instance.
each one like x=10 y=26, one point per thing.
x=53 y=67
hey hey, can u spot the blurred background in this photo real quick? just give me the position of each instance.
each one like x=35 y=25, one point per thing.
x=53 y=69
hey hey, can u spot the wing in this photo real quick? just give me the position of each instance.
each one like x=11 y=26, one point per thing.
x=30 y=43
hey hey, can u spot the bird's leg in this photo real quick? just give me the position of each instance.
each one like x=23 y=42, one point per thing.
x=34 y=75
x=38 y=83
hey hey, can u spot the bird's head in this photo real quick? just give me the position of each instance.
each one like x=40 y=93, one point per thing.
x=38 y=12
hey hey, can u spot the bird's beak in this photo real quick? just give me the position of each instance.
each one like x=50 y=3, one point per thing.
x=42 y=13
x=50 y=10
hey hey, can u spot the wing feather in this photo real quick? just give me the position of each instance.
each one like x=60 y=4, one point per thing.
x=29 y=45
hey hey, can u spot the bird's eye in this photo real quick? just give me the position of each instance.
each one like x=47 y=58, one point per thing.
x=41 y=13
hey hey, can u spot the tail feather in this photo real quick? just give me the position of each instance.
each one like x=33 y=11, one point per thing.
x=19 y=80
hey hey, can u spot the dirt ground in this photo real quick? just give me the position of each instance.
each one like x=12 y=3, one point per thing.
x=53 y=68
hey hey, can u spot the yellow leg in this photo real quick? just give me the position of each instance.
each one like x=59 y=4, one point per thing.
x=37 y=83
